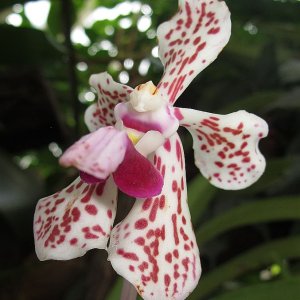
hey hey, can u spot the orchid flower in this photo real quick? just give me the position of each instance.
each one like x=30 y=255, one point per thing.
x=133 y=146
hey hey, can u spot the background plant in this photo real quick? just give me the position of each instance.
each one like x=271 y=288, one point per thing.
x=249 y=240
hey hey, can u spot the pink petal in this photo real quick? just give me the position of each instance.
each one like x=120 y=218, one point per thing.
x=74 y=220
x=226 y=146
x=190 y=41
x=110 y=93
x=98 y=153
x=136 y=176
x=154 y=247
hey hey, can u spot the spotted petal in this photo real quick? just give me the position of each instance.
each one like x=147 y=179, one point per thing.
x=154 y=247
x=98 y=153
x=91 y=117
x=74 y=220
x=110 y=93
x=190 y=41
x=226 y=146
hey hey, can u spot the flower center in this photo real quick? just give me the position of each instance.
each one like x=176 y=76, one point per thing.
x=145 y=97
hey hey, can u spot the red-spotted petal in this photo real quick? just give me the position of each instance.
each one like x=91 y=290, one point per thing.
x=98 y=153
x=154 y=247
x=110 y=93
x=91 y=117
x=190 y=41
x=74 y=220
x=136 y=176
x=226 y=146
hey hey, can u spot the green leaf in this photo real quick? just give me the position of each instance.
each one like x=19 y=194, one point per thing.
x=273 y=209
x=200 y=194
x=253 y=103
x=25 y=46
x=278 y=290
x=7 y=3
x=260 y=256
x=115 y=291
x=54 y=21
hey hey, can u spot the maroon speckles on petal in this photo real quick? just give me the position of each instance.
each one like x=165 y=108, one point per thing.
x=91 y=209
x=141 y=224
x=73 y=241
x=128 y=255
x=109 y=213
x=160 y=236
x=154 y=209
x=226 y=146
x=69 y=219
x=162 y=202
x=168 y=257
x=178 y=114
x=175 y=232
x=147 y=204
x=110 y=93
x=88 y=195
x=140 y=241
x=76 y=214
x=167 y=145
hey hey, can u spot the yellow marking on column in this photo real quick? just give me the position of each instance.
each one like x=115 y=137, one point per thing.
x=133 y=137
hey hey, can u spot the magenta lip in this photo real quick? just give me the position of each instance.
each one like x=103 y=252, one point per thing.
x=90 y=179
x=141 y=126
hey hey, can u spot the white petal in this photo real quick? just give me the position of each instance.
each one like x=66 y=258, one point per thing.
x=91 y=117
x=190 y=41
x=74 y=220
x=154 y=247
x=226 y=146
x=110 y=93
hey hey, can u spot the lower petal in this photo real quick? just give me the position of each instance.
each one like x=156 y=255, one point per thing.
x=154 y=247
x=226 y=146
x=74 y=220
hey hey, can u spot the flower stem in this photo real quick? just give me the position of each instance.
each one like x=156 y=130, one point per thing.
x=128 y=291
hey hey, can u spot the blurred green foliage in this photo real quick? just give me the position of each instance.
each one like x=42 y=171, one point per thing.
x=242 y=234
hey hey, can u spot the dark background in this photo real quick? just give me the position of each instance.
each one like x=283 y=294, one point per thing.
x=249 y=240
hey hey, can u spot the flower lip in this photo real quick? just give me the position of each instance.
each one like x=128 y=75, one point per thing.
x=128 y=175
x=145 y=97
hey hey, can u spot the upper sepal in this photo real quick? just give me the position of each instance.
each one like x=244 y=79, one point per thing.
x=190 y=41
x=110 y=93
